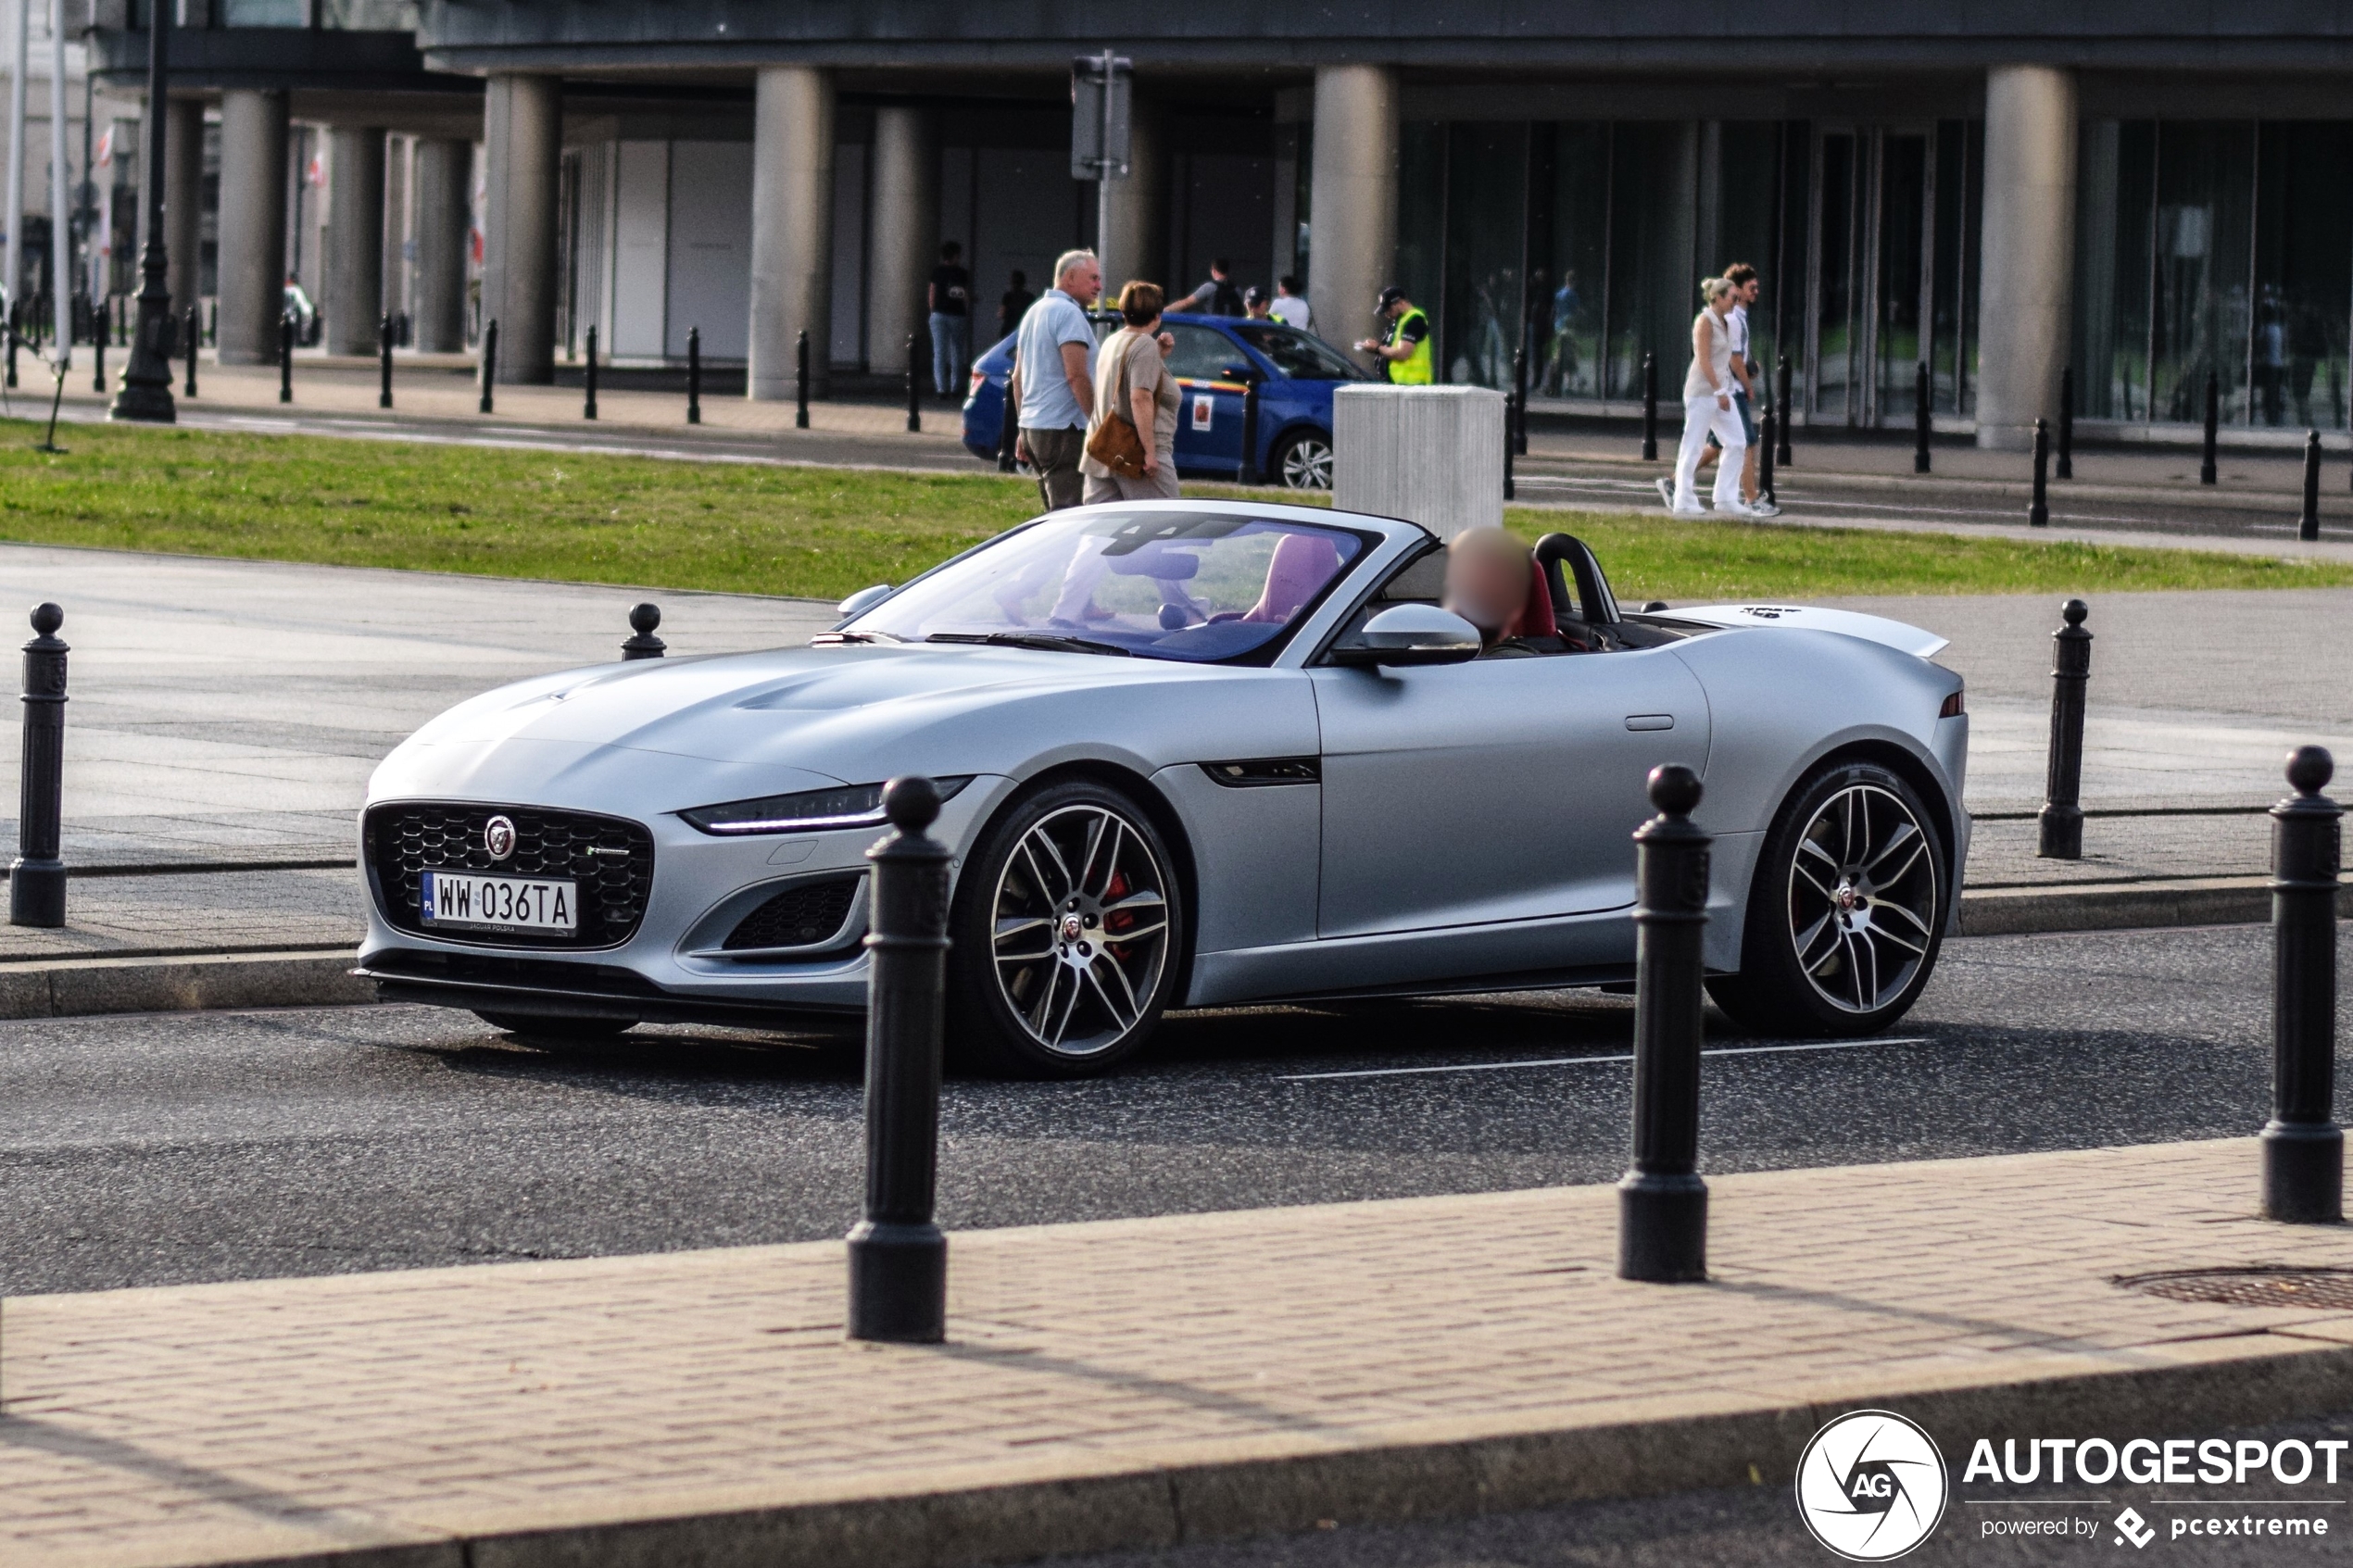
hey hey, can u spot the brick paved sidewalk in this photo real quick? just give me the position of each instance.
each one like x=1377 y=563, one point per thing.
x=1138 y=1381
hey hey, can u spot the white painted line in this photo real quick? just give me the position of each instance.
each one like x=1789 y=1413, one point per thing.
x=1582 y=1060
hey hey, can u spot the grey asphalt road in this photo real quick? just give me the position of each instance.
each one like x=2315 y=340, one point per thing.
x=167 y=1148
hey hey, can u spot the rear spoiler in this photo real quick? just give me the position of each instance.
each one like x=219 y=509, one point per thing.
x=1847 y=623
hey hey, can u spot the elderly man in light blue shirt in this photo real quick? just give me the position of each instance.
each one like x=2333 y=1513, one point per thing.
x=1053 y=387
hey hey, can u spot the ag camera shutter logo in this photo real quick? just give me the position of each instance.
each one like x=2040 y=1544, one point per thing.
x=1871 y=1485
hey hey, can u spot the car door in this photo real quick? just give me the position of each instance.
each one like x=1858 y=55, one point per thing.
x=1503 y=789
x=1209 y=422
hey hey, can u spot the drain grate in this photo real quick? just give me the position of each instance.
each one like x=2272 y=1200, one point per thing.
x=2327 y=1288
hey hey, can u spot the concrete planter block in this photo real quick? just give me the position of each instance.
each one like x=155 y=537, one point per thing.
x=1430 y=454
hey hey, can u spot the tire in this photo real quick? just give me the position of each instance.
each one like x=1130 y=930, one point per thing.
x=1845 y=912
x=1034 y=991
x=1302 y=460
x=532 y=1026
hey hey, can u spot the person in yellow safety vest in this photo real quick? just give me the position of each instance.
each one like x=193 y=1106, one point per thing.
x=1405 y=351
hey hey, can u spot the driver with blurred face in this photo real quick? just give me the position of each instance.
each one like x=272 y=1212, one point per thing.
x=1487 y=577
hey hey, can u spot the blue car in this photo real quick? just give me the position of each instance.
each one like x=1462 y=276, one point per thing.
x=1216 y=359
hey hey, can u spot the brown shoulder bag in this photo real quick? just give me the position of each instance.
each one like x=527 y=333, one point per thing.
x=1114 y=441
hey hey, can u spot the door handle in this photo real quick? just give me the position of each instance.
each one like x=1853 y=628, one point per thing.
x=1650 y=720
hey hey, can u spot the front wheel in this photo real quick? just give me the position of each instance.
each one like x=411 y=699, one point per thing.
x=1845 y=912
x=1067 y=928
x=1303 y=461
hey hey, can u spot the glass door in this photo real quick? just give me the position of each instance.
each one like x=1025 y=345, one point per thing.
x=1830 y=366
x=1907 y=200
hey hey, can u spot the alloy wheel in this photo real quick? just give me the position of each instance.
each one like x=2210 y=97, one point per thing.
x=1307 y=464
x=1081 y=929
x=1862 y=898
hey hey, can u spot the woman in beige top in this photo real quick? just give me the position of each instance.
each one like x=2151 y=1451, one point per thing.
x=1132 y=376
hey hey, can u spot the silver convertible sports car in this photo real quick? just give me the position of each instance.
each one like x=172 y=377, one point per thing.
x=1193 y=753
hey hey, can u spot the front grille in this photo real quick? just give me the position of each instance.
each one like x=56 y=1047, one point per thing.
x=800 y=916
x=610 y=860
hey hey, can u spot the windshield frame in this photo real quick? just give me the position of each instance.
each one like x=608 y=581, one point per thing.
x=1370 y=542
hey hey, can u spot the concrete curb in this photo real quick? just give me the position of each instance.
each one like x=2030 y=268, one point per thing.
x=1388 y=1483
x=2124 y=906
x=77 y=987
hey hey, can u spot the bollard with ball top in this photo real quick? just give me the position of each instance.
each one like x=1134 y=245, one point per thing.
x=489 y=365
x=2038 y=510
x=897 y=1257
x=1662 y=1203
x=801 y=383
x=643 y=644
x=1650 y=409
x=2303 y=1148
x=286 y=357
x=37 y=876
x=195 y=341
x=693 y=375
x=2061 y=822
x=2308 y=522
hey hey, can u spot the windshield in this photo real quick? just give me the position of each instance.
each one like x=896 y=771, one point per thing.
x=1300 y=356
x=1157 y=585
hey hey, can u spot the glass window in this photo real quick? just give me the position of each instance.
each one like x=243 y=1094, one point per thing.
x=1421 y=234
x=265 y=13
x=1300 y=356
x=2205 y=189
x=1653 y=288
x=1746 y=194
x=1568 y=256
x=369 y=16
x=1952 y=362
x=1835 y=338
x=1903 y=216
x=1190 y=587
x=2304 y=272
x=1201 y=353
x=1486 y=241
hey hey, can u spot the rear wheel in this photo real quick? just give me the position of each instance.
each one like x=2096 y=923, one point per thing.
x=1303 y=461
x=1067 y=926
x=1845 y=912
x=531 y=1026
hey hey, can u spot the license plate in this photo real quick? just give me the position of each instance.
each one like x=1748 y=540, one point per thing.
x=462 y=901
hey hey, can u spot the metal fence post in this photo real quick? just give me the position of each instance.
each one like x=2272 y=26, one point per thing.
x=914 y=391
x=2061 y=820
x=589 y=381
x=99 y=359
x=196 y=340
x=1765 y=430
x=2303 y=1148
x=37 y=877
x=2206 y=474
x=2066 y=467
x=1250 y=471
x=643 y=644
x=1519 y=403
x=383 y=362
x=12 y=346
x=1920 y=416
x=897 y=1257
x=2038 y=512
x=800 y=382
x=286 y=357
x=1650 y=409
x=2307 y=523
x=1781 y=407
x=1511 y=484
x=1662 y=1203
x=693 y=375
x=489 y=363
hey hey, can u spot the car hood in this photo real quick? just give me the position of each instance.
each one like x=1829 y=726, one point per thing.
x=1848 y=623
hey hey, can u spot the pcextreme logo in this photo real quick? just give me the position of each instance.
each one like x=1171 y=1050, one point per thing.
x=1870 y=1485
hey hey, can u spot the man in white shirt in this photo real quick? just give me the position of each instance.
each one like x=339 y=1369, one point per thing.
x=1053 y=385
x=1289 y=307
x=1745 y=288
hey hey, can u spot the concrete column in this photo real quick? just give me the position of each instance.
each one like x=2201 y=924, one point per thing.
x=1352 y=216
x=522 y=123
x=182 y=199
x=252 y=261
x=905 y=218
x=792 y=228
x=1134 y=238
x=355 y=292
x=2027 y=258
x=443 y=204
x=396 y=253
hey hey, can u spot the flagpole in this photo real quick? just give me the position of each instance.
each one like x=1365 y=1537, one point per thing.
x=60 y=220
x=20 y=61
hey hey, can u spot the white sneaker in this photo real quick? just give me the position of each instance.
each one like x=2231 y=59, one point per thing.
x=1687 y=511
x=1734 y=509
x=1666 y=491
x=1764 y=509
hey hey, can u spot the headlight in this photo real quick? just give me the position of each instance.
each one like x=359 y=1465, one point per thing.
x=851 y=806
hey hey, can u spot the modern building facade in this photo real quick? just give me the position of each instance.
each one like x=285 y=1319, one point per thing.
x=2151 y=193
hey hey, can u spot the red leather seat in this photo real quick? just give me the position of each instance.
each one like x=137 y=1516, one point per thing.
x=1536 y=618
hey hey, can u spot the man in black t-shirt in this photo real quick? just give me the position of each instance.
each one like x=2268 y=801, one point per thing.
x=1014 y=304
x=950 y=300
x=1219 y=296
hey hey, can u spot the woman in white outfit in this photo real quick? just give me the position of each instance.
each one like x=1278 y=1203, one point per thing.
x=1707 y=405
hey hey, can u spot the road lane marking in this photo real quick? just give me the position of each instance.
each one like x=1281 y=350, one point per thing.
x=1582 y=1060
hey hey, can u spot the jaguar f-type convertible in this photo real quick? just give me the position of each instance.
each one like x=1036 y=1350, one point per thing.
x=1193 y=753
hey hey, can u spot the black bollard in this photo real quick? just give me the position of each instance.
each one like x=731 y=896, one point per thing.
x=1511 y=485
x=1922 y=413
x=2206 y=474
x=286 y=357
x=37 y=877
x=914 y=391
x=1780 y=404
x=383 y=362
x=897 y=1257
x=588 y=379
x=2307 y=523
x=1650 y=409
x=2066 y=467
x=98 y=359
x=693 y=375
x=196 y=340
x=489 y=363
x=2062 y=816
x=1008 y=429
x=1520 y=402
x=12 y=348
x=642 y=642
x=2038 y=512
x=1662 y=1203
x=1250 y=471
x=2303 y=1149
x=1764 y=457
x=800 y=382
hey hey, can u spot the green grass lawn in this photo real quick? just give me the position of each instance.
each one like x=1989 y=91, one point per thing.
x=830 y=532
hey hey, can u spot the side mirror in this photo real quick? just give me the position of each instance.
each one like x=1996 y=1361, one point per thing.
x=862 y=600
x=1410 y=634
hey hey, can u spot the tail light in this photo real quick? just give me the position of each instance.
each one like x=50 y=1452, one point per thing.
x=1954 y=708
x=980 y=379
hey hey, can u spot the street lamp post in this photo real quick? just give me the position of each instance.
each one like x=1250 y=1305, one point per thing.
x=146 y=381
